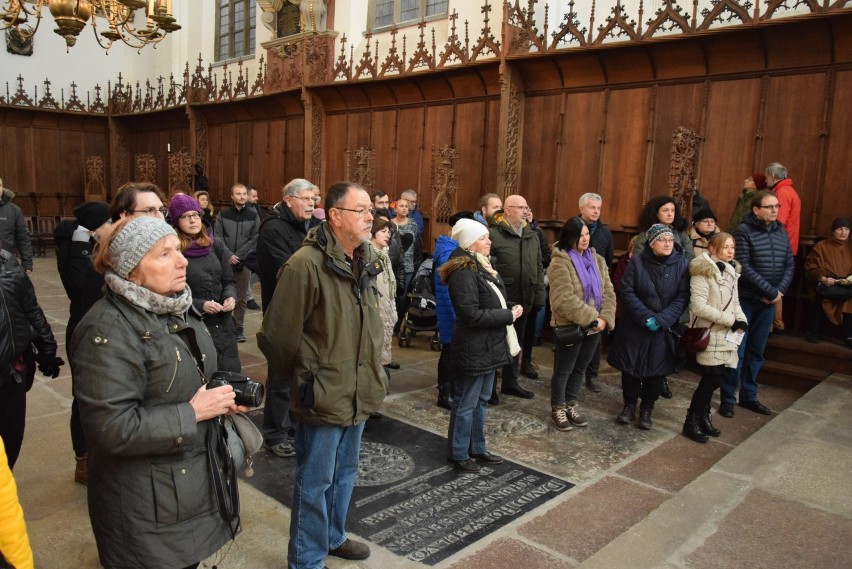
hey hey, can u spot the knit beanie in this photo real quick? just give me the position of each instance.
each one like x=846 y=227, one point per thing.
x=92 y=215
x=134 y=240
x=659 y=230
x=759 y=181
x=703 y=213
x=841 y=222
x=180 y=204
x=467 y=231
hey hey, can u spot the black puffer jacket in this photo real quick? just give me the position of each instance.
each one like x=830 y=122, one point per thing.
x=479 y=338
x=22 y=322
x=767 y=260
x=280 y=236
x=13 y=232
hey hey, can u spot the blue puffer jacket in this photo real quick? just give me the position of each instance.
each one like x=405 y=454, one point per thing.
x=444 y=247
x=767 y=260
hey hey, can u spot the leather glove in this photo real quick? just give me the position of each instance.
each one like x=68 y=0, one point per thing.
x=652 y=324
x=49 y=366
x=739 y=325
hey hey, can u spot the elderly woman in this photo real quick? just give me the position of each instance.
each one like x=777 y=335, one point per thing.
x=210 y=278
x=655 y=291
x=703 y=228
x=714 y=303
x=141 y=358
x=483 y=340
x=386 y=283
x=829 y=265
x=580 y=293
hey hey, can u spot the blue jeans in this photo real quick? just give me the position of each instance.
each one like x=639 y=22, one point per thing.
x=327 y=464
x=569 y=366
x=467 y=420
x=750 y=352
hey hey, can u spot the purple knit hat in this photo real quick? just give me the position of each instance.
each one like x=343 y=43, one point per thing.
x=179 y=205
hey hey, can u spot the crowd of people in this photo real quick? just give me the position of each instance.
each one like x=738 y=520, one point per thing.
x=159 y=289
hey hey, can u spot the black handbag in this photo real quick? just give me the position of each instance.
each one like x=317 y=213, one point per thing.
x=571 y=334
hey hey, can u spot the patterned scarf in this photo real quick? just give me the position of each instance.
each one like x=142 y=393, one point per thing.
x=587 y=271
x=382 y=254
x=147 y=299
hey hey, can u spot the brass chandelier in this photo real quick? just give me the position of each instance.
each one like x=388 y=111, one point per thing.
x=71 y=17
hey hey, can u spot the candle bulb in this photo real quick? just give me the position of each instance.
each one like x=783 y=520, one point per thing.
x=168 y=147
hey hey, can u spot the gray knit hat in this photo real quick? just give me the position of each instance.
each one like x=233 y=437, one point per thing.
x=134 y=240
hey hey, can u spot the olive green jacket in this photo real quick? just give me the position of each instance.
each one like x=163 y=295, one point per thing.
x=517 y=259
x=323 y=330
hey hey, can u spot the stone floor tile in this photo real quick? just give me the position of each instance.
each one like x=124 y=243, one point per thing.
x=506 y=552
x=591 y=518
x=675 y=463
x=768 y=531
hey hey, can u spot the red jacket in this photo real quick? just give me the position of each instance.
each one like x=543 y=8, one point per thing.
x=791 y=210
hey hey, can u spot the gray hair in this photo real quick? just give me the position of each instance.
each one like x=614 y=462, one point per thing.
x=297 y=185
x=776 y=170
x=589 y=196
x=409 y=193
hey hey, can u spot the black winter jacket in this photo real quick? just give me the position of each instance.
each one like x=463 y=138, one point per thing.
x=767 y=259
x=280 y=236
x=479 y=342
x=237 y=228
x=602 y=241
x=22 y=322
x=83 y=284
x=13 y=232
x=650 y=287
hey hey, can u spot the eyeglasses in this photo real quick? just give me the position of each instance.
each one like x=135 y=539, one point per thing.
x=774 y=206
x=303 y=198
x=520 y=207
x=361 y=212
x=151 y=211
x=191 y=215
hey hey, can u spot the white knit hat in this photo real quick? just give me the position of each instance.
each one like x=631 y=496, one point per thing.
x=467 y=231
x=134 y=240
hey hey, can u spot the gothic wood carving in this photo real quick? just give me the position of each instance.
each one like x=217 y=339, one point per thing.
x=180 y=172
x=684 y=163
x=146 y=168
x=95 y=181
x=444 y=182
x=359 y=167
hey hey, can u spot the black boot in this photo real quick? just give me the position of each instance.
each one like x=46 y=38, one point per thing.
x=692 y=427
x=645 y=422
x=706 y=425
x=666 y=392
x=627 y=414
x=445 y=398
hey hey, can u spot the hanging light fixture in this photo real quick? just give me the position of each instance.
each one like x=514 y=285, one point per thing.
x=71 y=17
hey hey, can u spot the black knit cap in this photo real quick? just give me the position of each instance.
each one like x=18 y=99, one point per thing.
x=92 y=215
x=703 y=213
x=841 y=222
x=460 y=215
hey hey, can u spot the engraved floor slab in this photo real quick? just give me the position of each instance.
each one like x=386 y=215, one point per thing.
x=409 y=500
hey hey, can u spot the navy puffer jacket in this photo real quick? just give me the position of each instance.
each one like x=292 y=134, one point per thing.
x=767 y=259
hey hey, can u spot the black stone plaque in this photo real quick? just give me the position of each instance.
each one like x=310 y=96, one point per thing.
x=409 y=500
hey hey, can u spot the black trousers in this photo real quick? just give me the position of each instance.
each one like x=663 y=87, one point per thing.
x=13 y=413
x=648 y=388
x=711 y=379
x=510 y=371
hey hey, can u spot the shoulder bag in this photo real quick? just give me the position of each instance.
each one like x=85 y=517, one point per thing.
x=697 y=338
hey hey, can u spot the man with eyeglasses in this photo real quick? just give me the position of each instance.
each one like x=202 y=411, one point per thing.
x=763 y=250
x=516 y=256
x=237 y=226
x=134 y=199
x=323 y=328
x=281 y=235
x=789 y=215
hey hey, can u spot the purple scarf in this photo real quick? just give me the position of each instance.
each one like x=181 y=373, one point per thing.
x=196 y=250
x=587 y=271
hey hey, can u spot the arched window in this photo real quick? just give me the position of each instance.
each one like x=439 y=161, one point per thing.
x=235 y=31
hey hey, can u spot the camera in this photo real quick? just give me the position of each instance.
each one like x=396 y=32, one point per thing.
x=248 y=393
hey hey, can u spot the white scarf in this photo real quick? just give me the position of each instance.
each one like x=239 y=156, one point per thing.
x=511 y=335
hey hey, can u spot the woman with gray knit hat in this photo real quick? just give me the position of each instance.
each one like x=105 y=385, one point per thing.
x=209 y=275
x=140 y=357
x=654 y=294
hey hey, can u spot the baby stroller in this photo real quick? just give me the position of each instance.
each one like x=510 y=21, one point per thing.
x=420 y=315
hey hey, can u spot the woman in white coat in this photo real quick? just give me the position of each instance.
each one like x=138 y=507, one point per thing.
x=714 y=303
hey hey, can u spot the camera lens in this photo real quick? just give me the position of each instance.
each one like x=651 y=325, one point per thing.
x=251 y=395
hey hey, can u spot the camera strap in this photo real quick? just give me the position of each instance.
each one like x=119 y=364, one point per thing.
x=223 y=471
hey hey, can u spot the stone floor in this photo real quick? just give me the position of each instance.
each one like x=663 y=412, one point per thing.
x=770 y=492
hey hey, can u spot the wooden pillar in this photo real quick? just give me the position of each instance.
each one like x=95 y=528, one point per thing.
x=511 y=131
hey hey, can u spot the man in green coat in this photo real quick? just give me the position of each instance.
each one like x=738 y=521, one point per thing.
x=516 y=256
x=323 y=329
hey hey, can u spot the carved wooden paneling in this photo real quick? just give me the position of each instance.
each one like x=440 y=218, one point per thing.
x=359 y=167
x=683 y=165
x=145 y=168
x=836 y=200
x=443 y=183
x=95 y=179
x=180 y=172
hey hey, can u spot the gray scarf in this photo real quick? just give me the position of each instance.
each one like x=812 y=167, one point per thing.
x=147 y=299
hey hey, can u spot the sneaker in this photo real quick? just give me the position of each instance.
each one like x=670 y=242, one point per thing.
x=284 y=450
x=241 y=338
x=577 y=419
x=252 y=305
x=559 y=417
